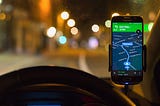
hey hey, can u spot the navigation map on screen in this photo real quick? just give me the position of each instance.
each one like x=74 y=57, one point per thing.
x=127 y=46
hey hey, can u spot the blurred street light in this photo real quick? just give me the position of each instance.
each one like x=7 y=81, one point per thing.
x=62 y=39
x=1 y=1
x=95 y=28
x=51 y=32
x=93 y=43
x=115 y=14
x=74 y=31
x=71 y=22
x=64 y=15
x=108 y=23
x=2 y=16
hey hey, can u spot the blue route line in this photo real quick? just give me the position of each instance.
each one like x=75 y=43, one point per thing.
x=126 y=52
x=127 y=61
x=122 y=43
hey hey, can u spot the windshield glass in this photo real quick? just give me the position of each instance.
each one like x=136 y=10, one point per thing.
x=70 y=33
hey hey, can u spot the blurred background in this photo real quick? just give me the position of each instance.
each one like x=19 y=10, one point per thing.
x=73 y=33
x=34 y=26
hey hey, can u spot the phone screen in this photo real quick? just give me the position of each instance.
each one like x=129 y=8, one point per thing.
x=127 y=48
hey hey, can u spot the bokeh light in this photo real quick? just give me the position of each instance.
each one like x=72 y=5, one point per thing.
x=95 y=28
x=71 y=22
x=93 y=43
x=51 y=32
x=2 y=16
x=62 y=39
x=74 y=31
x=108 y=23
x=65 y=15
x=115 y=14
x=1 y=1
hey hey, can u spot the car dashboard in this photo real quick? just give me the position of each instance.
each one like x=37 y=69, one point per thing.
x=51 y=95
x=57 y=86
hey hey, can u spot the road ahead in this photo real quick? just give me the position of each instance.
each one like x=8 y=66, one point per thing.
x=93 y=62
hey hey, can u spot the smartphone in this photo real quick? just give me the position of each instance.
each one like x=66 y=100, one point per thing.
x=126 y=49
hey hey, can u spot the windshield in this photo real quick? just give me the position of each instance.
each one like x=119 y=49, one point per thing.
x=65 y=33
x=70 y=33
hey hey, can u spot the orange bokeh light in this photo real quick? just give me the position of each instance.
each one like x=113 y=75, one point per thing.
x=45 y=6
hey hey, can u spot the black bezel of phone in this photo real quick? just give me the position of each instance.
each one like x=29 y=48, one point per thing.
x=130 y=80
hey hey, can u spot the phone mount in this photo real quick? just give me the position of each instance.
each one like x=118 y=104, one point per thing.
x=126 y=86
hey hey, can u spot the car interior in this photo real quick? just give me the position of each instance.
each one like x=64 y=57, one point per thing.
x=58 y=86
x=45 y=82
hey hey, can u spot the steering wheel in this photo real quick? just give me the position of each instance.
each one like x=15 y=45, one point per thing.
x=62 y=80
